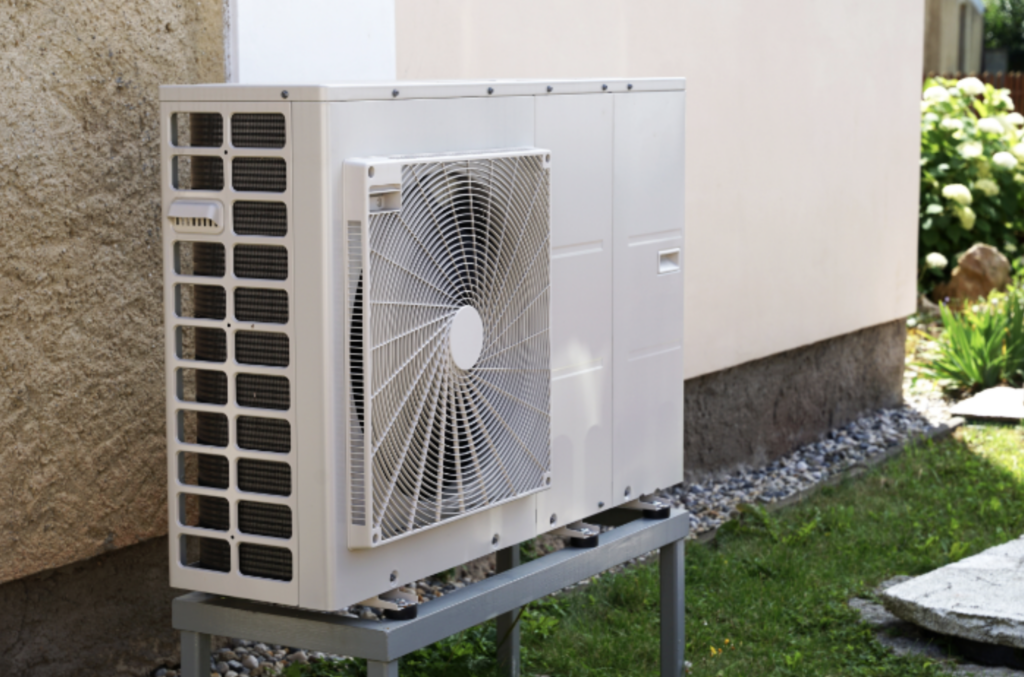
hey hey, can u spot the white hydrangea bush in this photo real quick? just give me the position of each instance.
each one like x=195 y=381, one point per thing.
x=972 y=173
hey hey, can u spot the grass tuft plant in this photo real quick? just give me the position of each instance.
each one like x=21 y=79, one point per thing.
x=981 y=346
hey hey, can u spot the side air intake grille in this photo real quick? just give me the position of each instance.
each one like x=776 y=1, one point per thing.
x=198 y=172
x=263 y=348
x=265 y=263
x=259 y=174
x=261 y=305
x=233 y=483
x=265 y=219
x=265 y=561
x=264 y=392
x=265 y=519
x=257 y=130
x=264 y=434
x=213 y=471
x=197 y=130
x=264 y=477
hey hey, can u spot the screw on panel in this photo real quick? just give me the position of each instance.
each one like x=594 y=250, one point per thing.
x=554 y=518
x=550 y=88
x=490 y=90
x=629 y=86
x=394 y=92
x=600 y=504
x=284 y=94
x=604 y=87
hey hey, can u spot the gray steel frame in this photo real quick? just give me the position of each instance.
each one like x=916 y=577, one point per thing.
x=382 y=643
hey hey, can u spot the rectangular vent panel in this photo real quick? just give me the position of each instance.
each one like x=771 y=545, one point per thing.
x=201 y=301
x=261 y=305
x=200 y=258
x=205 y=512
x=198 y=172
x=202 y=385
x=265 y=219
x=259 y=174
x=263 y=392
x=264 y=434
x=265 y=519
x=197 y=130
x=264 y=561
x=262 y=348
x=205 y=553
x=258 y=262
x=203 y=427
x=257 y=130
x=264 y=477
x=203 y=470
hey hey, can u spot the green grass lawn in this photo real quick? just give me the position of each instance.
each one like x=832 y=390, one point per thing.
x=769 y=595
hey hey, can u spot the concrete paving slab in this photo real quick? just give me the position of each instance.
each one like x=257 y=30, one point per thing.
x=904 y=638
x=998 y=404
x=980 y=598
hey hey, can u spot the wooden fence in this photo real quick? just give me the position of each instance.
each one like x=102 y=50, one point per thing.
x=1013 y=81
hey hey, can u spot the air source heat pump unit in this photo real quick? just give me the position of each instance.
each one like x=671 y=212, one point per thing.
x=409 y=325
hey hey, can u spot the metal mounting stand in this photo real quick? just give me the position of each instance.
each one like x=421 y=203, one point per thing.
x=383 y=643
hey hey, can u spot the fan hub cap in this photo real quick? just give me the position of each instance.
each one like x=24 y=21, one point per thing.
x=466 y=339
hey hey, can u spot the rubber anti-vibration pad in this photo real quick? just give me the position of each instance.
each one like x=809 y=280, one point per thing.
x=405 y=614
x=660 y=514
x=589 y=542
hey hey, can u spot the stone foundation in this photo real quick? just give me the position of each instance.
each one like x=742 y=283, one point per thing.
x=756 y=412
x=109 y=615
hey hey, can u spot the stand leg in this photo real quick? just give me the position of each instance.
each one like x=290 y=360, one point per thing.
x=378 y=669
x=673 y=609
x=195 y=654
x=508 y=628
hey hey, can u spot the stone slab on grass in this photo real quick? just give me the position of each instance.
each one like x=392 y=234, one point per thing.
x=1000 y=404
x=980 y=598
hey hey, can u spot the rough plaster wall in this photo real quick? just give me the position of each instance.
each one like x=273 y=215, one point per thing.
x=108 y=616
x=754 y=413
x=82 y=461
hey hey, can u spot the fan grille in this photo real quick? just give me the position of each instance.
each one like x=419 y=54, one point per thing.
x=445 y=442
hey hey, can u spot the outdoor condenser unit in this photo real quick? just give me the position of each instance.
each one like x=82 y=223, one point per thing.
x=411 y=324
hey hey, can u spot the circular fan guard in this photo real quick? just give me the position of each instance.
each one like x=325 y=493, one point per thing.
x=445 y=442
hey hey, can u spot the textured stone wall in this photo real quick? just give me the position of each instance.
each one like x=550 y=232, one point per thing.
x=109 y=616
x=756 y=412
x=82 y=460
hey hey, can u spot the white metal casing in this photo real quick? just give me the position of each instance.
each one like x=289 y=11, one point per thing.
x=616 y=184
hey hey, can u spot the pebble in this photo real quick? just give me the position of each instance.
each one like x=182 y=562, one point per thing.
x=250 y=662
x=222 y=667
x=297 y=657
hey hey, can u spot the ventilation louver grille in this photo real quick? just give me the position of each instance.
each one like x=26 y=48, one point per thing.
x=258 y=174
x=228 y=464
x=265 y=263
x=257 y=130
x=445 y=441
x=266 y=219
x=265 y=561
x=264 y=434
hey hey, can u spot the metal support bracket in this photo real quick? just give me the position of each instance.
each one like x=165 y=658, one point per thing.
x=398 y=604
x=651 y=505
x=383 y=643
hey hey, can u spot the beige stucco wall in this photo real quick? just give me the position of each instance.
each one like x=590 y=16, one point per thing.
x=802 y=133
x=82 y=458
x=942 y=36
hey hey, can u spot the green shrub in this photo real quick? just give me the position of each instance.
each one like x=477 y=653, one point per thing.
x=972 y=187
x=982 y=346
